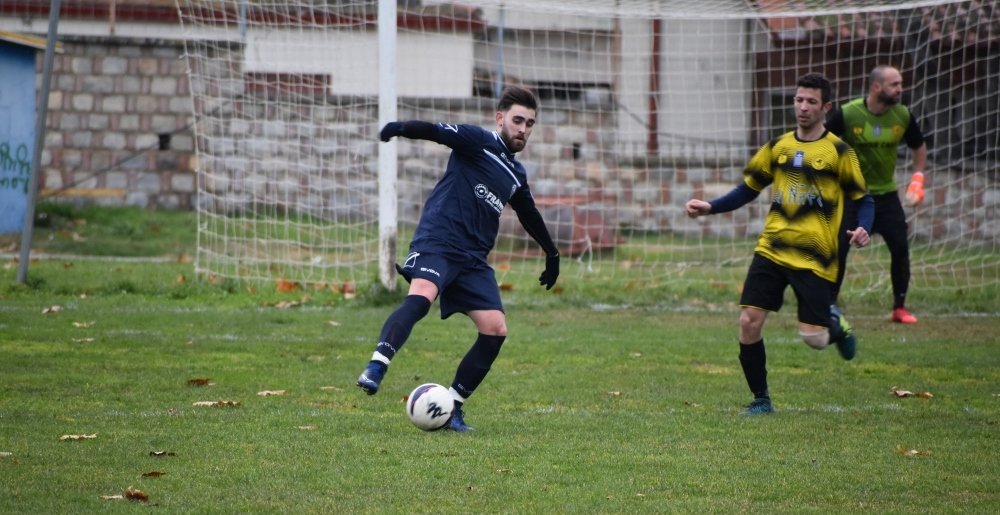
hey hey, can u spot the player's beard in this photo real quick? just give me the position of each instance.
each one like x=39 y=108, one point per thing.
x=514 y=145
x=887 y=99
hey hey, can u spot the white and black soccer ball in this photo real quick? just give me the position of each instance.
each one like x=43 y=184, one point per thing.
x=430 y=406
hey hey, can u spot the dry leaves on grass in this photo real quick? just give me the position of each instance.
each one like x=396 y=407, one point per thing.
x=161 y=454
x=898 y=392
x=220 y=404
x=78 y=437
x=130 y=494
x=268 y=393
x=286 y=286
x=51 y=310
x=200 y=381
x=153 y=473
x=912 y=452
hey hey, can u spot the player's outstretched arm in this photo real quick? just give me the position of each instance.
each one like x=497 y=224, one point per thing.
x=697 y=207
x=413 y=129
x=738 y=197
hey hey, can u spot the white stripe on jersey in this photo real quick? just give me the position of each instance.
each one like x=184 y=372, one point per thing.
x=504 y=165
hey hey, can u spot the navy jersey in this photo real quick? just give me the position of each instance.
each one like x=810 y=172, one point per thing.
x=463 y=210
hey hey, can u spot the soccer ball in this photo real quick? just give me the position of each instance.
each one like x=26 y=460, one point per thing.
x=430 y=406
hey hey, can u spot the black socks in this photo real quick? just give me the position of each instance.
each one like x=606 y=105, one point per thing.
x=397 y=327
x=754 y=362
x=476 y=364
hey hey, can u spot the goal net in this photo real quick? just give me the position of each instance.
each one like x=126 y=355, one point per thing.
x=645 y=104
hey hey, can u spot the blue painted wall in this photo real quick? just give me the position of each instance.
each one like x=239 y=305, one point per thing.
x=17 y=132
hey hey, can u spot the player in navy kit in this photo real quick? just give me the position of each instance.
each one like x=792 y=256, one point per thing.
x=457 y=231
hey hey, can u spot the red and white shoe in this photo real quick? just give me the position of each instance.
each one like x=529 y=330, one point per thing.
x=903 y=316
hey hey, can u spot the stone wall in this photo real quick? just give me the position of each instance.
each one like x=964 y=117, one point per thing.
x=119 y=113
x=119 y=127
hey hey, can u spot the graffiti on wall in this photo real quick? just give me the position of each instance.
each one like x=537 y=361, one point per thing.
x=15 y=167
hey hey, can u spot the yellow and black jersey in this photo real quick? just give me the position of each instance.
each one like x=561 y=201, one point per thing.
x=809 y=180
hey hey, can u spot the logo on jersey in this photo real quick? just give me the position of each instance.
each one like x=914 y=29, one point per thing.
x=876 y=130
x=798 y=195
x=492 y=200
x=798 y=159
x=411 y=260
x=450 y=127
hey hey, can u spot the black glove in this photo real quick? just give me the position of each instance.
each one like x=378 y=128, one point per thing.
x=391 y=130
x=551 y=273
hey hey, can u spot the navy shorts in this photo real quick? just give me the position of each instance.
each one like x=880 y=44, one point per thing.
x=765 y=285
x=464 y=283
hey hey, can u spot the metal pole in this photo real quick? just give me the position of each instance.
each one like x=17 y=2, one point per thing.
x=500 y=79
x=387 y=154
x=27 y=230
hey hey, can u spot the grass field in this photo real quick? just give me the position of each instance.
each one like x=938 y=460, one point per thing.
x=591 y=407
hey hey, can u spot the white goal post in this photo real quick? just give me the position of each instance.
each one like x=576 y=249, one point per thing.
x=645 y=104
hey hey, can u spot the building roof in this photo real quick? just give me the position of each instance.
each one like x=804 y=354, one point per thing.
x=26 y=40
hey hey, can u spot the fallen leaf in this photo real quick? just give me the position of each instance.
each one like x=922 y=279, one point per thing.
x=506 y=286
x=912 y=452
x=907 y=393
x=83 y=325
x=116 y=497
x=266 y=393
x=615 y=393
x=181 y=279
x=334 y=323
x=200 y=381
x=901 y=393
x=6 y=454
x=333 y=388
x=216 y=403
x=160 y=454
x=503 y=471
x=136 y=495
x=78 y=437
x=692 y=404
x=154 y=473
x=306 y=428
x=83 y=340
x=51 y=309
x=286 y=286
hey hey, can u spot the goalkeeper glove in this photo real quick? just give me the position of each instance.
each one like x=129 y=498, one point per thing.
x=390 y=130
x=551 y=273
x=915 y=191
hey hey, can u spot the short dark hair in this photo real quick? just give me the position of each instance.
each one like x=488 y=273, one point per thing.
x=878 y=74
x=517 y=95
x=817 y=81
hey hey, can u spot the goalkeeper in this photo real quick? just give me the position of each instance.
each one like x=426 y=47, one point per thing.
x=455 y=234
x=810 y=172
x=875 y=125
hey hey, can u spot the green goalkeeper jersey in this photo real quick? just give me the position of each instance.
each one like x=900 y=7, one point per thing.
x=875 y=139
